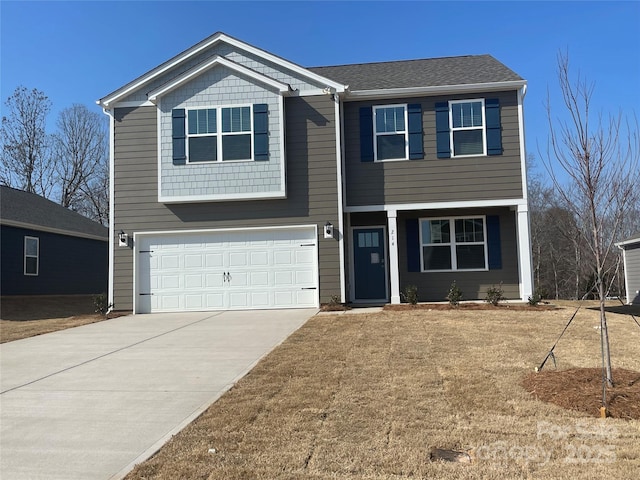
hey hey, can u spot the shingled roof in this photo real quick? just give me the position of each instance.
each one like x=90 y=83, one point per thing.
x=464 y=70
x=28 y=210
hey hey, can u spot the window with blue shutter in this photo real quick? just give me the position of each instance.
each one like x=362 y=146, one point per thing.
x=413 y=244
x=366 y=134
x=442 y=130
x=414 y=115
x=220 y=134
x=179 y=136
x=494 y=126
x=468 y=128
x=261 y=132
x=494 y=250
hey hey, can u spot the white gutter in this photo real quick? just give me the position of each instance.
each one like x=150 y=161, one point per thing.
x=434 y=90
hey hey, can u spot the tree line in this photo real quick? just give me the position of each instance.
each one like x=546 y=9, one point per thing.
x=69 y=166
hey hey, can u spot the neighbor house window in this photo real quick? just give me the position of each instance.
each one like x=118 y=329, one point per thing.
x=219 y=134
x=390 y=132
x=453 y=244
x=31 y=255
x=467 y=127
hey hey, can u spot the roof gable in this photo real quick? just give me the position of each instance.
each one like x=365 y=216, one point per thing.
x=172 y=65
x=28 y=210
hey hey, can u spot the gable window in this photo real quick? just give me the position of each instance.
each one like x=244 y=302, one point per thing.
x=467 y=127
x=219 y=134
x=31 y=255
x=453 y=244
x=390 y=132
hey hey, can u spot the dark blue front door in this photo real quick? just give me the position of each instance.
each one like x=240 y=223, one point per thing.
x=369 y=264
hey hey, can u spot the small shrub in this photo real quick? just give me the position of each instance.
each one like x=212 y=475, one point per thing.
x=534 y=299
x=101 y=304
x=455 y=295
x=410 y=294
x=495 y=295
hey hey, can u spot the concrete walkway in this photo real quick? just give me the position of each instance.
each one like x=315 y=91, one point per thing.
x=91 y=402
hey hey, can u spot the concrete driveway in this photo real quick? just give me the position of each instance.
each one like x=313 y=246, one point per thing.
x=91 y=402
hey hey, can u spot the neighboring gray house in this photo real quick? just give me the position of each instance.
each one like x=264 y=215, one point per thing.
x=241 y=180
x=631 y=257
x=47 y=249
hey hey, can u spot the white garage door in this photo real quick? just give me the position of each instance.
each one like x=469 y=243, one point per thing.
x=248 y=269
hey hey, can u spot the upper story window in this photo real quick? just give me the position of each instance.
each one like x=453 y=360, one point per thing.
x=220 y=134
x=453 y=244
x=31 y=255
x=467 y=127
x=390 y=132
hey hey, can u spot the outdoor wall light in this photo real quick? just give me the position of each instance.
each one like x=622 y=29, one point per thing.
x=328 y=230
x=123 y=239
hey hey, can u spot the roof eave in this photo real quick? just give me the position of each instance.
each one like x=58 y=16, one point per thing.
x=434 y=90
x=629 y=241
x=59 y=231
x=108 y=101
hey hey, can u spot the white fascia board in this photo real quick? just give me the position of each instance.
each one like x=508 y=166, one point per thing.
x=213 y=62
x=396 y=207
x=433 y=90
x=623 y=244
x=107 y=102
x=222 y=198
x=57 y=231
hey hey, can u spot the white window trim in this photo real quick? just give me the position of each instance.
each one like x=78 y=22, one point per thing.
x=376 y=134
x=219 y=133
x=452 y=129
x=37 y=256
x=452 y=244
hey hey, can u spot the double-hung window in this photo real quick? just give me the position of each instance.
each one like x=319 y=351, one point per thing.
x=220 y=134
x=467 y=122
x=31 y=255
x=390 y=132
x=453 y=244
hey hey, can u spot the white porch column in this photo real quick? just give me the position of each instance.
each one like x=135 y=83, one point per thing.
x=394 y=276
x=525 y=263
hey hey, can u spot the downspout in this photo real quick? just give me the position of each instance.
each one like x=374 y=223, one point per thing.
x=110 y=288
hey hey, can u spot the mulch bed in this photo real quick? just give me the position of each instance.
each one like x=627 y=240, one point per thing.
x=469 y=306
x=580 y=389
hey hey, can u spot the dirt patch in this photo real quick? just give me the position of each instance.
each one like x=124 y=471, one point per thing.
x=580 y=389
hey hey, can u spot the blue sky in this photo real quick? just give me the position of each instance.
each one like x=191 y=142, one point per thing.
x=77 y=52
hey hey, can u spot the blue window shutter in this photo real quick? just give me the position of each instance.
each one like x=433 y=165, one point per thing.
x=366 y=134
x=261 y=131
x=493 y=242
x=179 y=136
x=494 y=128
x=414 y=112
x=442 y=130
x=413 y=245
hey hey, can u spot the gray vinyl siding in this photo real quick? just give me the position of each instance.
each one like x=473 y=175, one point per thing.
x=311 y=190
x=433 y=179
x=632 y=261
x=433 y=286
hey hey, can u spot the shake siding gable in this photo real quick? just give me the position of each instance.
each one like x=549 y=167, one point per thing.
x=311 y=189
x=434 y=179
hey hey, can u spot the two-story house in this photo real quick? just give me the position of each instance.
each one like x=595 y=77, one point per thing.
x=241 y=180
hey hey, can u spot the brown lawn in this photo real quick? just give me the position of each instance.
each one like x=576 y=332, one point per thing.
x=370 y=395
x=26 y=316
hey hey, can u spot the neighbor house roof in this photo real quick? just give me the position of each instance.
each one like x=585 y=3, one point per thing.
x=632 y=240
x=428 y=72
x=28 y=210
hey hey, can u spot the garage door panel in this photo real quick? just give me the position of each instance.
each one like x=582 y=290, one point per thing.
x=228 y=270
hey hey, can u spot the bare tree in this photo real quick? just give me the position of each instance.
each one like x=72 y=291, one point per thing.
x=25 y=144
x=600 y=160
x=80 y=148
